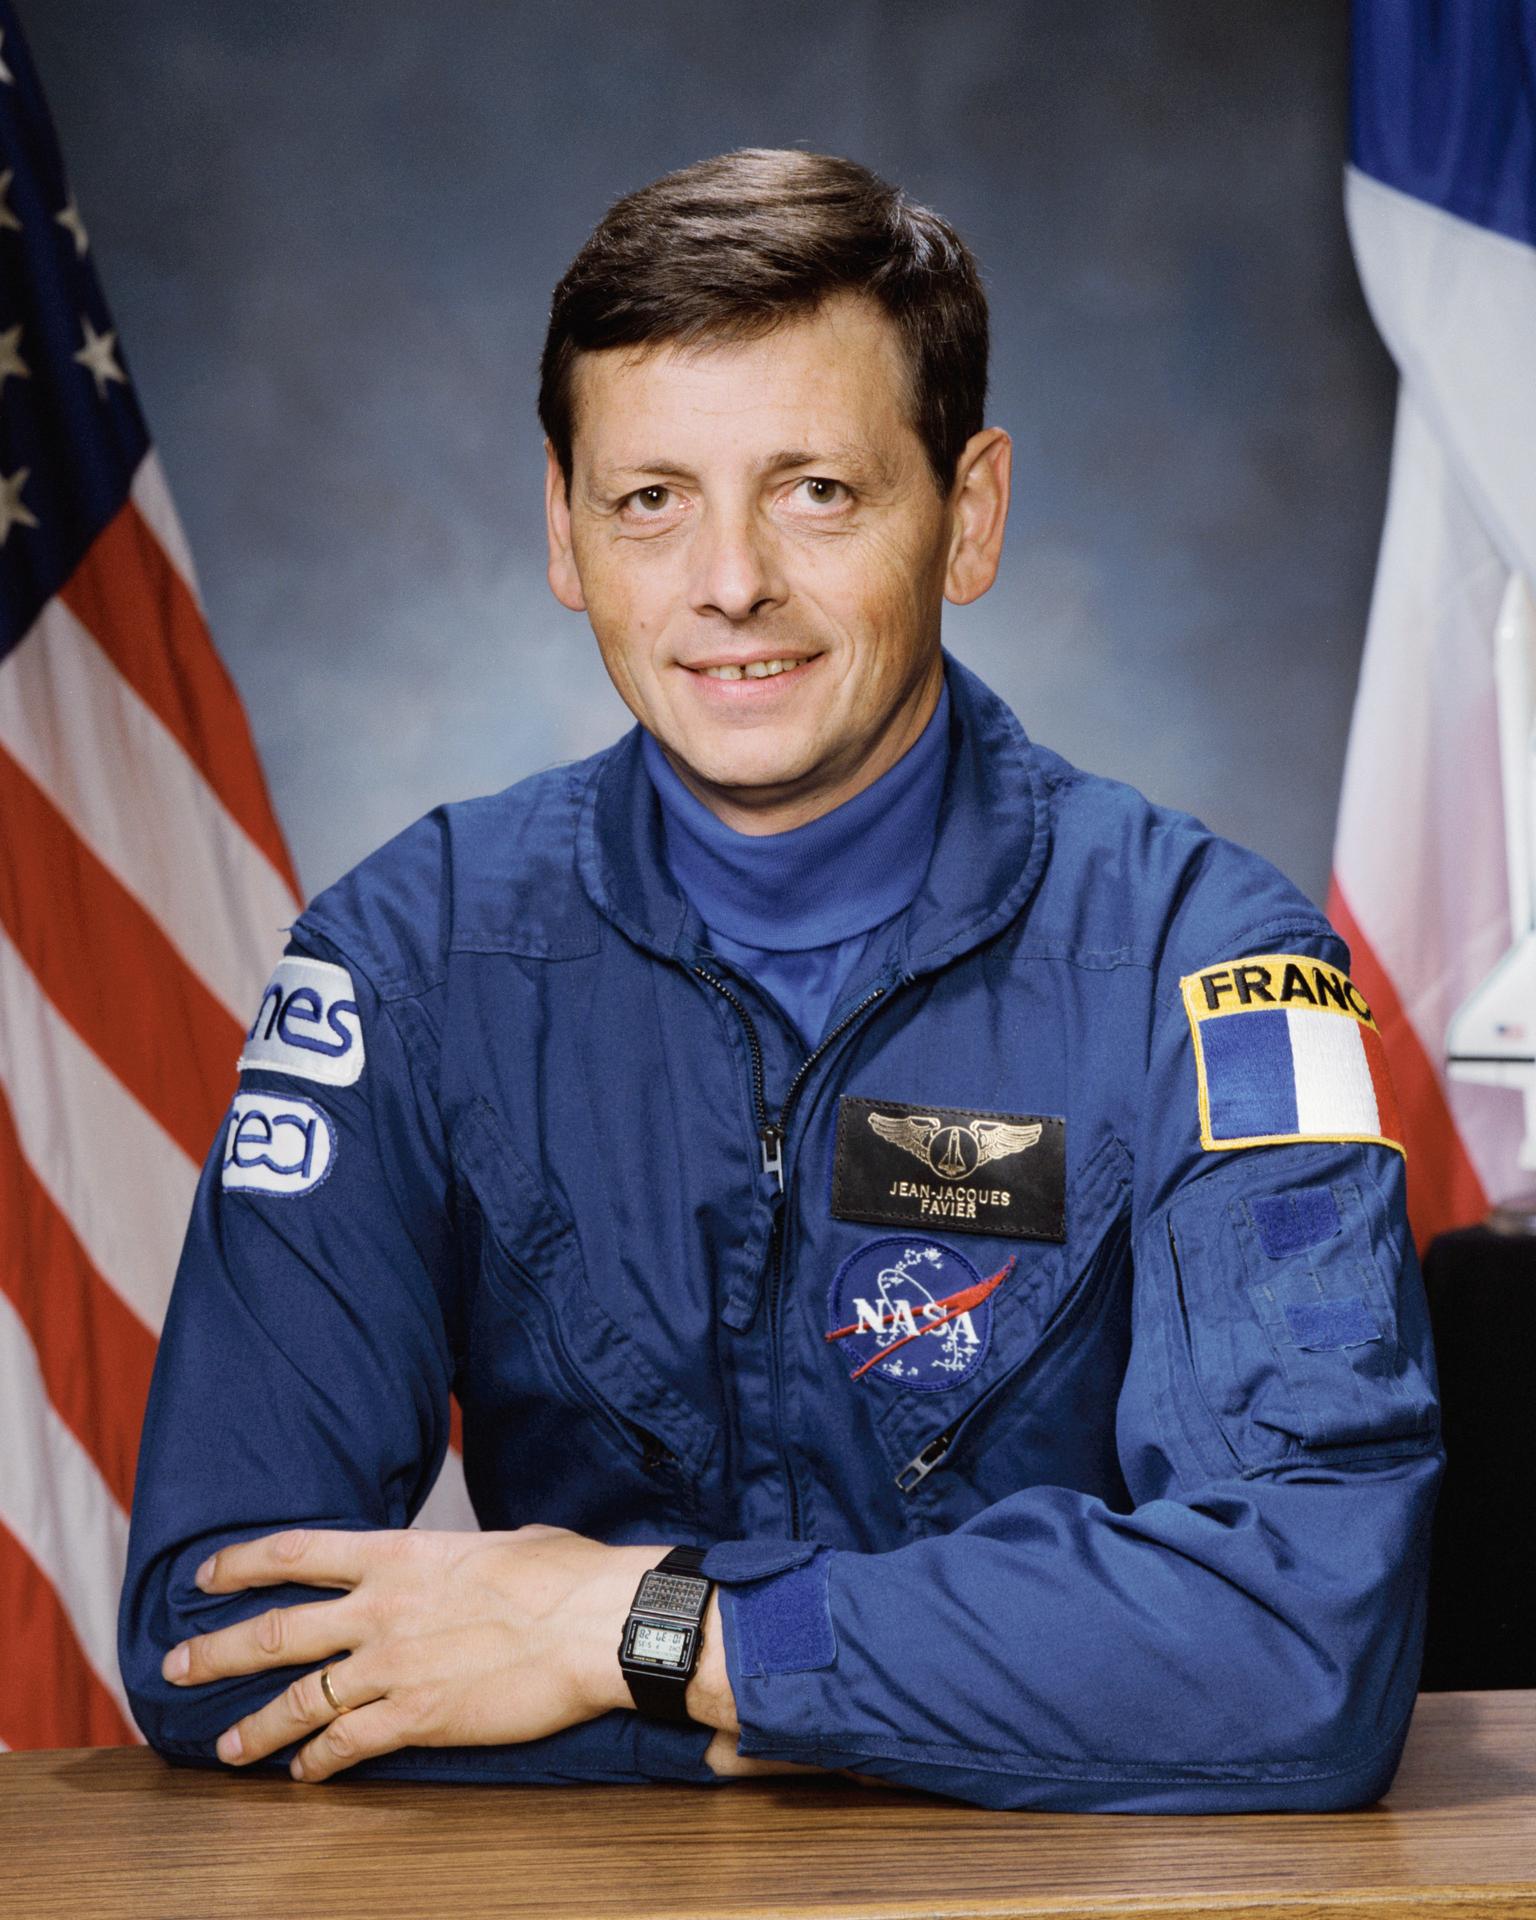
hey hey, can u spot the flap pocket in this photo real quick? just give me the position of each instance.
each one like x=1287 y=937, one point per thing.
x=1055 y=1290
x=535 y=1265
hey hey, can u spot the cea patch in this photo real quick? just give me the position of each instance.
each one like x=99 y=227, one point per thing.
x=1286 y=1049
x=276 y=1143
x=913 y=1311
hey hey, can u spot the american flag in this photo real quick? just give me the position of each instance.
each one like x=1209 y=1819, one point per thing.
x=144 y=886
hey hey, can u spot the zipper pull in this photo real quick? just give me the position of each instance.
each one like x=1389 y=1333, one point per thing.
x=771 y=1139
x=925 y=1462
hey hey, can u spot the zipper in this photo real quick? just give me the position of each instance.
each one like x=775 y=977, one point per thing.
x=771 y=1135
x=939 y=1447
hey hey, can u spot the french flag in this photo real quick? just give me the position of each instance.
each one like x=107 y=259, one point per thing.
x=1441 y=202
x=1294 y=1073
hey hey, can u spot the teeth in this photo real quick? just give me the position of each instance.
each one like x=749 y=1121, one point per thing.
x=755 y=670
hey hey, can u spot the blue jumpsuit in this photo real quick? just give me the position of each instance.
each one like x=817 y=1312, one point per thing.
x=1051 y=1450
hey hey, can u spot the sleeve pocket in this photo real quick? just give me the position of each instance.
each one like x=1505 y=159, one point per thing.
x=1344 y=1379
x=1291 y=1314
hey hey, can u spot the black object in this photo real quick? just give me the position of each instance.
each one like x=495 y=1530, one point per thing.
x=659 y=1647
x=1482 y=1580
x=946 y=1169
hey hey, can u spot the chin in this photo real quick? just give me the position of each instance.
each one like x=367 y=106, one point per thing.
x=755 y=779
x=744 y=765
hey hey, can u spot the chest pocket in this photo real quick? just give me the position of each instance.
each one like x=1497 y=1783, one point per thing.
x=566 y=1421
x=1041 y=1409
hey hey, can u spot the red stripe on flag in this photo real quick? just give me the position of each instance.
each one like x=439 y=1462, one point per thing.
x=1444 y=1190
x=49 y=1695
x=138 y=609
x=107 y=967
x=95 y=1356
x=1389 y=1117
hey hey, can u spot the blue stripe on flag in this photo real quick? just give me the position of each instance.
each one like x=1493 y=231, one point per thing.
x=1250 y=1080
x=78 y=439
x=1443 y=106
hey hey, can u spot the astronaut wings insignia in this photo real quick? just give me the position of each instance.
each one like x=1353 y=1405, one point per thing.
x=913 y=1132
x=954 y=1152
x=998 y=1141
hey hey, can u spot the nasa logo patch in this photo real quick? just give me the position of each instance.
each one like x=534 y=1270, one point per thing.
x=277 y=1143
x=912 y=1310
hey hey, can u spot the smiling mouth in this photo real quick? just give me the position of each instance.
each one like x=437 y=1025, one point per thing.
x=752 y=670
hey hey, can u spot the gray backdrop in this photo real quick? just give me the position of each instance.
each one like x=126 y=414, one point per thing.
x=329 y=229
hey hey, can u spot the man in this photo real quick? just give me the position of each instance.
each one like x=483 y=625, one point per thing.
x=825 y=1130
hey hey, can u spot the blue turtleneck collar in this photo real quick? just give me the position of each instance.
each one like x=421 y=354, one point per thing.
x=793 y=909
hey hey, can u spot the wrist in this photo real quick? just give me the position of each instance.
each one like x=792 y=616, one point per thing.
x=710 y=1699
x=612 y=1592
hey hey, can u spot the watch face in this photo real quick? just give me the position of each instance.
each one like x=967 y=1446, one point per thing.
x=666 y=1644
x=660 y=1645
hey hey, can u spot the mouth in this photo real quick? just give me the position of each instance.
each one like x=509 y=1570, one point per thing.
x=751 y=669
x=725 y=671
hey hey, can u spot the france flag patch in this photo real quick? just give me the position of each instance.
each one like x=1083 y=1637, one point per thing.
x=1286 y=1049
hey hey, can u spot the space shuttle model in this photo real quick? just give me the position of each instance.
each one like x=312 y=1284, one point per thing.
x=1492 y=1035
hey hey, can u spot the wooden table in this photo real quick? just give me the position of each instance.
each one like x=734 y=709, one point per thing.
x=98 y=1834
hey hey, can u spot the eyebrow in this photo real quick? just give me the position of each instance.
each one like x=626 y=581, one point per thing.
x=860 y=462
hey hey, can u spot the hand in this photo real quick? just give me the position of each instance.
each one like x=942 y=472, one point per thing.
x=439 y=1639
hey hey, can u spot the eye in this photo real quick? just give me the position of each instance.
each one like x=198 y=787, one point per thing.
x=821 y=492
x=648 y=500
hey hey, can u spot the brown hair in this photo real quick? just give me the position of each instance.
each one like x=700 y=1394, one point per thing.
x=728 y=248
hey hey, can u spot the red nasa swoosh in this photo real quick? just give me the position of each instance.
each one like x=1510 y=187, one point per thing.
x=953 y=1304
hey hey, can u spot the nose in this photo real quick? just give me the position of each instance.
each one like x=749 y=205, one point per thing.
x=736 y=572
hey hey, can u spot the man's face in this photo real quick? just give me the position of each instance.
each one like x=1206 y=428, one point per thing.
x=755 y=534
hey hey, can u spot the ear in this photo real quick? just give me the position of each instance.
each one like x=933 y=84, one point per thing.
x=978 y=505
x=564 y=580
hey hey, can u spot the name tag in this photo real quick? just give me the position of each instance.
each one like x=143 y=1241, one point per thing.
x=1001 y=1174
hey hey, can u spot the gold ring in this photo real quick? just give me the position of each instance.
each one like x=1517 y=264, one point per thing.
x=329 y=1691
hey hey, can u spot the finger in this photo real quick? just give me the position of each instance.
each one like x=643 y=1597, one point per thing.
x=280 y=1637
x=298 y=1711
x=721 y=1757
x=315 y=1556
x=358 y=1734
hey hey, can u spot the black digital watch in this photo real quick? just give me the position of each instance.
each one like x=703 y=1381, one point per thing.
x=659 y=1647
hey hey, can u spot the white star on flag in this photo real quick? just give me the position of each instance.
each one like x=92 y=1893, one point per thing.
x=7 y=218
x=14 y=511
x=96 y=356
x=69 y=219
x=12 y=366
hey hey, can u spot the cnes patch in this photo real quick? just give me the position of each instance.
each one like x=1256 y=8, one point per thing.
x=308 y=1024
